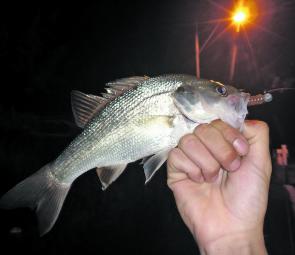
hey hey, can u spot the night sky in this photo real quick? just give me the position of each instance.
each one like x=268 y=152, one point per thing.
x=50 y=49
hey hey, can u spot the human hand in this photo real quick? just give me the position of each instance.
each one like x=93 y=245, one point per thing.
x=220 y=180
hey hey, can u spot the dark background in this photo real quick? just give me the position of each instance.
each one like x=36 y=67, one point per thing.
x=50 y=49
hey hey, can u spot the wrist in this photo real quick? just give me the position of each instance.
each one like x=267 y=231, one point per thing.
x=248 y=243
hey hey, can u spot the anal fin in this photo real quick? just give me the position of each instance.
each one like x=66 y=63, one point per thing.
x=109 y=174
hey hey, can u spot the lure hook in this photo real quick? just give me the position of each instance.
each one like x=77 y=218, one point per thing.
x=265 y=97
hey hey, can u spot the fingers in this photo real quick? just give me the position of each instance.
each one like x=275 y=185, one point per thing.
x=201 y=155
x=233 y=136
x=197 y=152
x=181 y=166
x=217 y=144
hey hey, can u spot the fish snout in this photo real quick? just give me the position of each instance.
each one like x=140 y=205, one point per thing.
x=238 y=101
x=233 y=100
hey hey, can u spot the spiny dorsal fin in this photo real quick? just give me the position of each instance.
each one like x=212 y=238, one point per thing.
x=85 y=107
x=124 y=84
x=118 y=87
x=108 y=96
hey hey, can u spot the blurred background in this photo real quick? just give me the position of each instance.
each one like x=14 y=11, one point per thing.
x=47 y=50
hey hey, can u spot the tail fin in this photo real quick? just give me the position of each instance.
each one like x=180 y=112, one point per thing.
x=41 y=192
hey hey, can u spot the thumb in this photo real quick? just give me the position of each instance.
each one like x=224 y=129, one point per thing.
x=257 y=134
x=247 y=187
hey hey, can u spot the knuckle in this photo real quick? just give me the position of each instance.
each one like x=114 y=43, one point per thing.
x=172 y=154
x=185 y=140
x=212 y=170
x=170 y=184
x=172 y=159
x=218 y=122
x=196 y=177
x=193 y=169
x=169 y=163
x=258 y=124
x=264 y=126
x=262 y=129
x=230 y=132
x=202 y=130
x=227 y=156
x=175 y=160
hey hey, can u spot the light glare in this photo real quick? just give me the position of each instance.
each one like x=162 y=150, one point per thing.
x=239 y=17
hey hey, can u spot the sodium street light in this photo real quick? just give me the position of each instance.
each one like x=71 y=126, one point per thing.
x=240 y=17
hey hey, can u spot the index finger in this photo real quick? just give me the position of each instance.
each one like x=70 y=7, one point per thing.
x=233 y=136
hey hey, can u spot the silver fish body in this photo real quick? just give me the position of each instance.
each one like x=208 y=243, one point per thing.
x=139 y=117
x=134 y=125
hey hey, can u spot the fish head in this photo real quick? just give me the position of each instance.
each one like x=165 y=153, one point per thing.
x=202 y=101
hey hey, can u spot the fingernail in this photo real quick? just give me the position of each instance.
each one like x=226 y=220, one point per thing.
x=241 y=146
x=235 y=164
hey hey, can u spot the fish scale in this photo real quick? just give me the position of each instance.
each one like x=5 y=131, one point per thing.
x=102 y=126
x=145 y=119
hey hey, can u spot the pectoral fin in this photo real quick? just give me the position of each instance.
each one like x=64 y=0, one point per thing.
x=109 y=174
x=152 y=164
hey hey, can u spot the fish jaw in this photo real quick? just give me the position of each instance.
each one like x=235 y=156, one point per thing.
x=234 y=109
x=203 y=104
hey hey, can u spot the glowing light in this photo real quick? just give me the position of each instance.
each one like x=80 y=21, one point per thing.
x=240 y=17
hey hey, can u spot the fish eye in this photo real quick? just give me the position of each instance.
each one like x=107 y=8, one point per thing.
x=221 y=90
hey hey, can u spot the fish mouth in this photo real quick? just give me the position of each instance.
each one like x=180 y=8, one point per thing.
x=239 y=102
x=237 y=109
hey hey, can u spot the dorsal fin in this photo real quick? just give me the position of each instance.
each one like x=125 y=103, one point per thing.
x=124 y=84
x=108 y=96
x=85 y=106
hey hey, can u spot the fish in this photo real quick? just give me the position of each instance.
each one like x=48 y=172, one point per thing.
x=138 y=117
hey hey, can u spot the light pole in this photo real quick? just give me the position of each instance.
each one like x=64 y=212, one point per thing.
x=197 y=49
